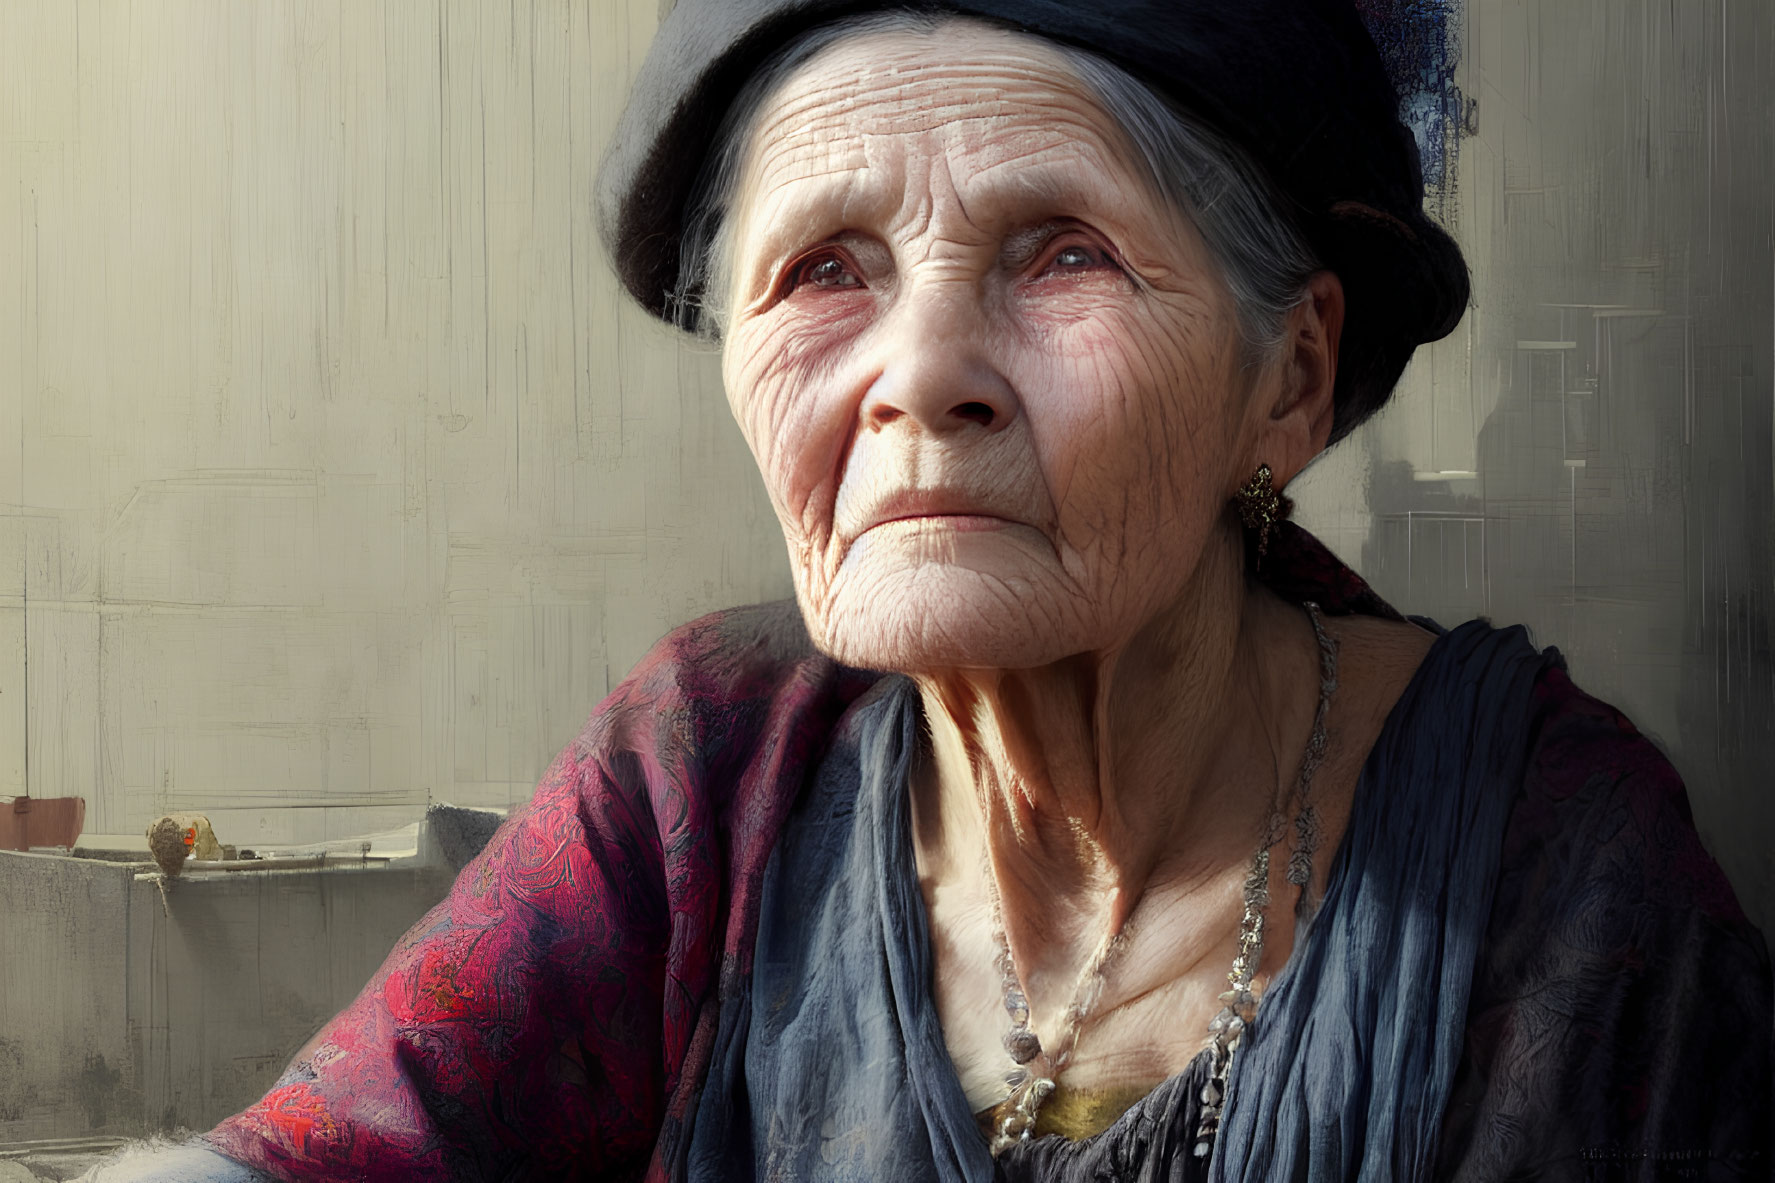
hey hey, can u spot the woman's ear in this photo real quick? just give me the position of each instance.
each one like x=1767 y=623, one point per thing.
x=1298 y=423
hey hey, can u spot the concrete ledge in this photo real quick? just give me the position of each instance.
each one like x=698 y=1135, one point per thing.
x=129 y=1006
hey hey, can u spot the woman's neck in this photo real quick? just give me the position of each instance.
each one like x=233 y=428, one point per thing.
x=1091 y=781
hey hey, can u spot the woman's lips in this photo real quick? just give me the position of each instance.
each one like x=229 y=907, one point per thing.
x=949 y=521
x=935 y=508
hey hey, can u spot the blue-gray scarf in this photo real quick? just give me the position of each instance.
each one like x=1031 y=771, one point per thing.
x=830 y=1062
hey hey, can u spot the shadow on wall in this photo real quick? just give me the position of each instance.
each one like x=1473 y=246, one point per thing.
x=1613 y=516
x=1591 y=455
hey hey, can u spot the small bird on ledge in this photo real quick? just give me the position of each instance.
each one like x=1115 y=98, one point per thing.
x=178 y=836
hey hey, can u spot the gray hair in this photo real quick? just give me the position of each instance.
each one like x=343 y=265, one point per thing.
x=1263 y=257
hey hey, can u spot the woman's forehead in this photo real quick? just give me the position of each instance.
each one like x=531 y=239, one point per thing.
x=871 y=117
x=904 y=79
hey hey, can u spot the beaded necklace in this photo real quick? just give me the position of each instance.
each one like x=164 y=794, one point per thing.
x=1015 y=1117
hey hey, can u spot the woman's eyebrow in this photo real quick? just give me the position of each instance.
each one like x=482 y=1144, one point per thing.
x=1019 y=192
x=1073 y=172
x=798 y=212
x=1020 y=246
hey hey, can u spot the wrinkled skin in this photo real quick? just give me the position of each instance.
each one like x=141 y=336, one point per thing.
x=977 y=299
x=996 y=389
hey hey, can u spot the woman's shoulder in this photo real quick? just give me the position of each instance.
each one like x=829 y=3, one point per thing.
x=1604 y=871
x=705 y=743
x=1597 y=801
x=1606 y=795
x=710 y=693
x=728 y=656
x=1621 y=1004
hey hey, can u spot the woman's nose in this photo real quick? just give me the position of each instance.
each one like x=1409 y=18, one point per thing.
x=937 y=374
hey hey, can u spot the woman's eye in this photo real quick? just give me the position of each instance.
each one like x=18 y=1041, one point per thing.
x=828 y=273
x=1079 y=258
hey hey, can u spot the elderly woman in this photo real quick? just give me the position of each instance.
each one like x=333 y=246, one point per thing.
x=1156 y=846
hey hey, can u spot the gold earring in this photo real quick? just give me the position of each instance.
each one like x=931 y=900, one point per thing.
x=1261 y=508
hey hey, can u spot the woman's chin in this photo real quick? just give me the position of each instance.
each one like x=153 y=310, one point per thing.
x=940 y=616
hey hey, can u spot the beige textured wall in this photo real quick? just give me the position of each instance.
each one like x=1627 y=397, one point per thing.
x=333 y=475
x=344 y=480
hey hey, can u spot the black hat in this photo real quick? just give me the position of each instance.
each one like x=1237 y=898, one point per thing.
x=1297 y=84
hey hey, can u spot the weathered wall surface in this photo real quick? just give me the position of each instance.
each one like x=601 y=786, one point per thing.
x=334 y=475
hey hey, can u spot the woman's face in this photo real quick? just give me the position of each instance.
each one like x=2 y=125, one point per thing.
x=992 y=380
